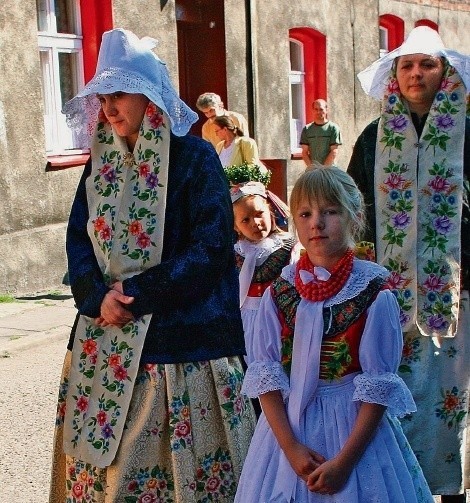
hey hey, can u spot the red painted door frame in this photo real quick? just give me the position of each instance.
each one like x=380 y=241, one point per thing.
x=96 y=17
x=201 y=52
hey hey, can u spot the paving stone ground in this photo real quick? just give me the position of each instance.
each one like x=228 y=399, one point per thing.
x=29 y=384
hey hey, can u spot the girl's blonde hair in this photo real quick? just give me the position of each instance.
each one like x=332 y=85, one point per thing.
x=332 y=185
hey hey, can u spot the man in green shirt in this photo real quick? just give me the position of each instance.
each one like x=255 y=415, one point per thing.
x=320 y=139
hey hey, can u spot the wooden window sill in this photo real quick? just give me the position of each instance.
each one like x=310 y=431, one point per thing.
x=59 y=162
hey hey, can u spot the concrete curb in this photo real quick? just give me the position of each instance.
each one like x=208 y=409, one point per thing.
x=34 y=320
x=14 y=347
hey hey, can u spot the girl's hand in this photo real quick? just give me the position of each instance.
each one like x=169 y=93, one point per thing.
x=302 y=459
x=329 y=477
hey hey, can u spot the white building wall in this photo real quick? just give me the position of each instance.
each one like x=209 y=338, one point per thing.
x=34 y=205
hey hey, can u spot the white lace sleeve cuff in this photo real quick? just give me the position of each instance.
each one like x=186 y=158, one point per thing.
x=385 y=389
x=262 y=377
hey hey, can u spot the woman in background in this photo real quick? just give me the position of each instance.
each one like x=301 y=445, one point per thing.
x=234 y=148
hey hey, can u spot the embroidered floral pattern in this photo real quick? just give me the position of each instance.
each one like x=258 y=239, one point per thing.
x=136 y=233
x=452 y=408
x=150 y=485
x=156 y=121
x=434 y=220
x=109 y=179
x=399 y=282
x=340 y=317
x=398 y=120
x=287 y=300
x=438 y=305
x=89 y=352
x=114 y=363
x=152 y=371
x=204 y=410
x=411 y=353
x=180 y=422
x=114 y=369
x=145 y=176
x=193 y=366
x=399 y=203
x=445 y=107
x=103 y=227
x=235 y=404
x=365 y=251
x=60 y=412
x=338 y=358
x=156 y=431
x=83 y=483
x=214 y=478
x=97 y=406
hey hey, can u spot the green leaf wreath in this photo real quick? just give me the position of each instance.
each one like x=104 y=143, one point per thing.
x=245 y=172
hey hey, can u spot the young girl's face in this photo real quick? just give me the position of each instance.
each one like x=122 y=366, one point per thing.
x=252 y=217
x=323 y=230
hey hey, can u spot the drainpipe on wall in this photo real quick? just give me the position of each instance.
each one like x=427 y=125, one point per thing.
x=251 y=64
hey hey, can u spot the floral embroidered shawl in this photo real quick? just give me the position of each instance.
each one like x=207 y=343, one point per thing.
x=126 y=199
x=419 y=205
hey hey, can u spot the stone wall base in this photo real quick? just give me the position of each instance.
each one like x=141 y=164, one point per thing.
x=33 y=260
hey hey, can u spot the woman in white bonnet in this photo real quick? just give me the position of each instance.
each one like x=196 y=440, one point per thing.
x=413 y=167
x=149 y=405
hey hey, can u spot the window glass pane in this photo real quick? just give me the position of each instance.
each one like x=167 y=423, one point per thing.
x=67 y=76
x=46 y=69
x=41 y=7
x=65 y=16
x=61 y=63
x=296 y=60
x=297 y=101
x=46 y=80
x=383 y=40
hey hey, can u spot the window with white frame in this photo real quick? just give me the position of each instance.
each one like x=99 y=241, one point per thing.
x=383 y=40
x=61 y=60
x=296 y=93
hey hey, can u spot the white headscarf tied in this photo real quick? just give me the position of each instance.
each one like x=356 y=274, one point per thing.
x=128 y=64
x=421 y=40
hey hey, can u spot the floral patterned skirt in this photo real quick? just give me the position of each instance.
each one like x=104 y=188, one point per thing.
x=438 y=375
x=186 y=436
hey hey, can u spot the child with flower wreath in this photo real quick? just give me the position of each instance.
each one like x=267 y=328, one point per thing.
x=324 y=366
x=262 y=249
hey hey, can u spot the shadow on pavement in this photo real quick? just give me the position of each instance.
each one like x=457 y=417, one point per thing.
x=48 y=296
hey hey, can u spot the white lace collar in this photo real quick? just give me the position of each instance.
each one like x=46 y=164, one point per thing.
x=261 y=249
x=362 y=274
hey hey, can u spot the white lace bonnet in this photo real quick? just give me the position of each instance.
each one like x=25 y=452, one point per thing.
x=247 y=189
x=127 y=63
x=421 y=40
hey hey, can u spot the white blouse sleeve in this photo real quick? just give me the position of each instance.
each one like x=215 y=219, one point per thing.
x=379 y=354
x=266 y=373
